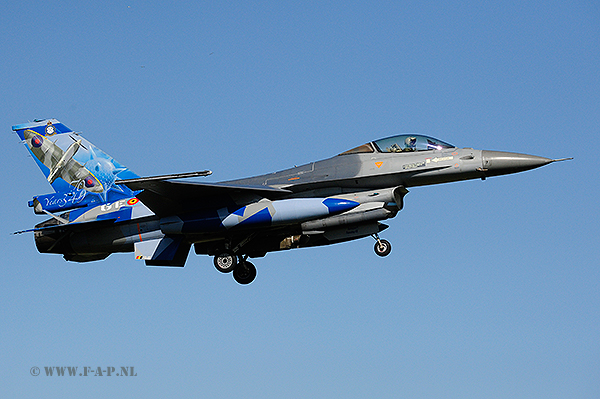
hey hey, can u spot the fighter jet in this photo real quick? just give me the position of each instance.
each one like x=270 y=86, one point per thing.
x=100 y=207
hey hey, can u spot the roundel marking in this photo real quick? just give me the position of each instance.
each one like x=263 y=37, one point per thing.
x=89 y=182
x=37 y=141
x=133 y=201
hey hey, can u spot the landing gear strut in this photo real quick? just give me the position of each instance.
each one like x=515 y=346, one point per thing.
x=382 y=247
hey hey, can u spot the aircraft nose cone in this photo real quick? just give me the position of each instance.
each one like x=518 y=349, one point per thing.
x=501 y=163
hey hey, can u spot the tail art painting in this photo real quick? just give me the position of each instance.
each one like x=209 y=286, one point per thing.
x=79 y=172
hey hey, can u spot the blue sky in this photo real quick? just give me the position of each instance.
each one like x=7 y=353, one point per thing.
x=491 y=289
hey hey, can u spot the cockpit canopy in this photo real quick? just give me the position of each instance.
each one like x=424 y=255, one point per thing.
x=401 y=143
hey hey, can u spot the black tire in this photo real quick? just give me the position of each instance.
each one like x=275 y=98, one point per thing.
x=383 y=248
x=245 y=273
x=225 y=262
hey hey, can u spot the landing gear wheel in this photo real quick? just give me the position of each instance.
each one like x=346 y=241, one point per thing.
x=383 y=248
x=225 y=262
x=245 y=273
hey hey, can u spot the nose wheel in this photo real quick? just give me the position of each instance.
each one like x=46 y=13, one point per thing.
x=382 y=247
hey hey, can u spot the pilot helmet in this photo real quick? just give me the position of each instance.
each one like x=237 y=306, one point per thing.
x=411 y=141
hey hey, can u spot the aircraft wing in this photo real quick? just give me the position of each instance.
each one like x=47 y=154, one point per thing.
x=166 y=197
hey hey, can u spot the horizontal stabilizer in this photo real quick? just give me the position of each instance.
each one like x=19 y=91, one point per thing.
x=51 y=226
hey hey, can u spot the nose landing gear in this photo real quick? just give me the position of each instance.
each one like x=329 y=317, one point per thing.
x=382 y=247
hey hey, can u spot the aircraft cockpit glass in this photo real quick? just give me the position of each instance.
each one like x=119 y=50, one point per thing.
x=409 y=143
x=365 y=148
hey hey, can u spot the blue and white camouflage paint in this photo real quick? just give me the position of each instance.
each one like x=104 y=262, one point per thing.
x=286 y=211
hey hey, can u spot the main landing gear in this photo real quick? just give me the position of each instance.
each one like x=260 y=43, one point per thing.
x=225 y=261
x=244 y=272
x=382 y=247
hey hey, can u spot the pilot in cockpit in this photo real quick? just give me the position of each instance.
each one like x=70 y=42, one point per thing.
x=411 y=144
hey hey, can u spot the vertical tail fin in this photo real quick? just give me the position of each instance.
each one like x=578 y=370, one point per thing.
x=79 y=172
